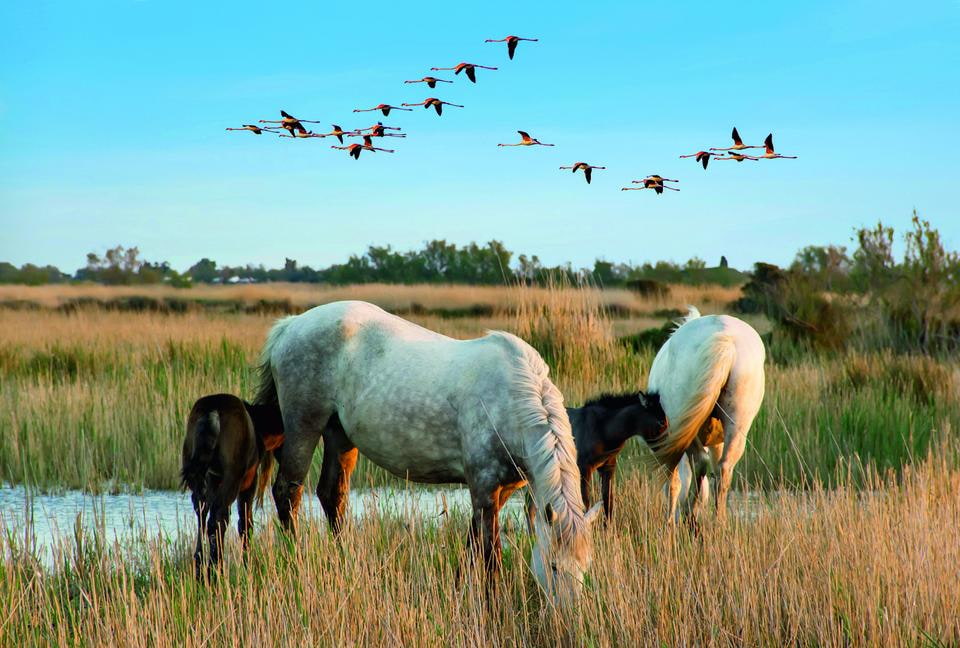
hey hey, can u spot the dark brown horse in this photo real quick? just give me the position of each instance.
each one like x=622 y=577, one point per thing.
x=228 y=442
x=602 y=427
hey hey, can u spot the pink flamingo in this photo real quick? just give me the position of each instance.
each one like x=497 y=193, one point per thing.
x=430 y=81
x=738 y=144
x=384 y=108
x=587 y=169
x=526 y=140
x=436 y=103
x=770 y=154
x=511 y=42
x=703 y=157
x=469 y=68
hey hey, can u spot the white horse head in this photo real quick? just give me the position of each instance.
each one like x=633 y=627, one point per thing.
x=558 y=560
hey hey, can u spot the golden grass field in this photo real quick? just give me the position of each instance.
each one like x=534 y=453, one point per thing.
x=846 y=526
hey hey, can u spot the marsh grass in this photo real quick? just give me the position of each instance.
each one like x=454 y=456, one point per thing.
x=95 y=399
x=835 y=567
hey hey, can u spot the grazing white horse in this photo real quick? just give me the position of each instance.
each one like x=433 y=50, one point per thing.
x=430 y=409
x=710 y=379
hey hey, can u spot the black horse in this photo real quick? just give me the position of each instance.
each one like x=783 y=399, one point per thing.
x=227 y=456
x=603 y=426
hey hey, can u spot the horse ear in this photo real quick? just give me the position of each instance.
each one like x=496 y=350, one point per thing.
x=593 y=514
x=549 y=514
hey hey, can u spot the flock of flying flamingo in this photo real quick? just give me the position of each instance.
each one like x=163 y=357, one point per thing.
x=295 y=129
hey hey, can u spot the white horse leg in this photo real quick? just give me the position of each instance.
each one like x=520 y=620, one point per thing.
x=339 y=460
x=674 y=487
x=301 y=436
x=735 y=440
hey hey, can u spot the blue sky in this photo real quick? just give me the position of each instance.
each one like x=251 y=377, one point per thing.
x=112 y=118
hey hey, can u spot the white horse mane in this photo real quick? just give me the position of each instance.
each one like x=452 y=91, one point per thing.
x=549 y=451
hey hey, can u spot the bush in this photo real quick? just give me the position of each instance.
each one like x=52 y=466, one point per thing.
x=648 y=288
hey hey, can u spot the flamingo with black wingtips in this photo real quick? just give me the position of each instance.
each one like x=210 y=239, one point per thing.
x=289 y=123
x=739 y=157
x=526 y=140
x=703 y=157
x=430 y=81
x=469 y=68
x=256 y=130
x=384 y=108
x=770 y=154
x=586 y=168
x=649 y=183
x=511 y=42
x=377 y=130
x=436 y=103
x=738 y=144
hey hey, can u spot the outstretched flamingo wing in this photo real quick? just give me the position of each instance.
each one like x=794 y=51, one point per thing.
x=511 y=48
x=471 y=73
x=768 y=143
x=587 y=173
x=736 y=137
x=525 y=136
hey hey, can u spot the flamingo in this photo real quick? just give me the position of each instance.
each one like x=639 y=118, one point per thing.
x=377 y=130
x=703 y=157
x=739 y=157
x=657 y=178
x=289 y=123
x=587 y=168
x=511 y=42
x=469 y=68
x=649 y=183
x=378 y=127
x=738 y=144
x=436 y=103
x=302 y=135
x=430 y=81
x=256 y=130
x=354 y=149
x=770 y=154
x=526 y=140
x=336 y=132
x=384 y=108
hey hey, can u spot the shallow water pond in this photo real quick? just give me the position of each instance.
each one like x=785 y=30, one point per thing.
x=43 y=521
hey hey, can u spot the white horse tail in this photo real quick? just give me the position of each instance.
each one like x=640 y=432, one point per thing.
x=689 y=385
x=267 y=387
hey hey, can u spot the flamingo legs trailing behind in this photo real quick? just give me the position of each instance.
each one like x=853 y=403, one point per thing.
x=256 y=130
x=738 y=144
x=739 y=157
x=649 y=183
x=353 y=150
x=703 y=157
x=526 y=140
x=289 y=123
x=436 y=103
x=384 y=108
x=469 y=68
x=430 y=81
x=587 y=169
x=770 y=154
x=511 y=42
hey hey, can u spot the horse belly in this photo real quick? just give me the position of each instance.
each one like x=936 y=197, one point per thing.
x=423 y=448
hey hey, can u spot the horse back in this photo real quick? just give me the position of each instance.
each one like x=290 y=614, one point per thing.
x=220 y=439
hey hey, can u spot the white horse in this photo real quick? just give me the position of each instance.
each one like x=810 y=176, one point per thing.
x=430 y=409
x=710 y=379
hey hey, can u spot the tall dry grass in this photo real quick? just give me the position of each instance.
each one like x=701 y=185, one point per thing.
x=838 y=567
x=95 y=399
x=389 y=296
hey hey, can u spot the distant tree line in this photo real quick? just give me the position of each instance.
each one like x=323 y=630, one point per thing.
x=436 y=262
